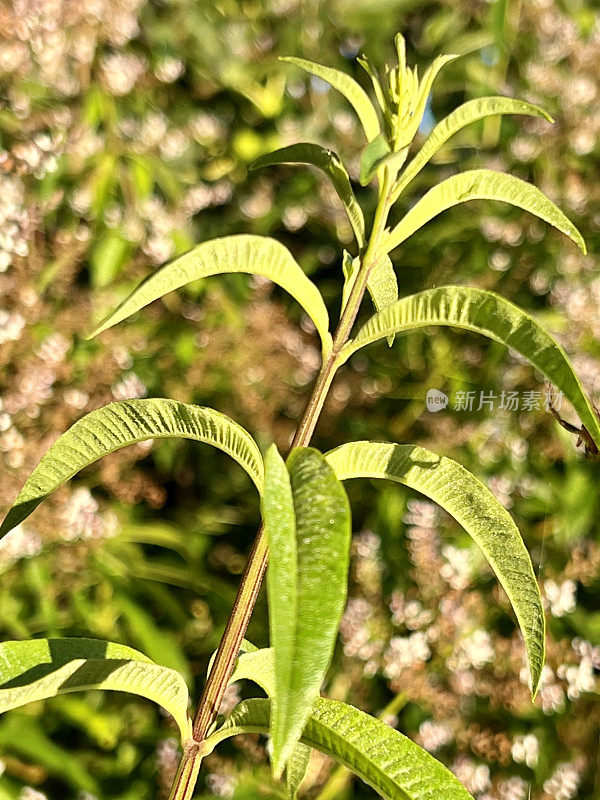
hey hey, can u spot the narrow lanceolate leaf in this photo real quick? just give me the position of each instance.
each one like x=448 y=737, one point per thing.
x=482 y=184
x=383 y=287
x=41 y=668
x=258 y=666
x=307 y=520
x=464 y=115
x=352 y=91
x=295 y=769
x=493 y=316
x=127 y=422
x=331 y=164
x=393 y=765
x=255 y=255
x=459 y=492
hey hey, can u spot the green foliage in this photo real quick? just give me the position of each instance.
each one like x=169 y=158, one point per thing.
x=492 y=316
x=352 y=91
x=383 y=287
x=482 y=184
x=121 y=424
x=388 y=761
x=307 y=521
x=462 y=116
x=305 y=509
x=331 y=164
x=457 y=491
x=372 y=158
x=42 y=668
x=255 y=255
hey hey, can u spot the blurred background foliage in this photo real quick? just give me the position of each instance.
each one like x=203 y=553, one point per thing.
x=126 y=132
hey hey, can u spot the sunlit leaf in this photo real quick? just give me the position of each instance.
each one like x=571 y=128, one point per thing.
x=472 y=504
x=383 y=287
x=482 y=184
x=464 y=115
x=492 y=316
x=258 y=666
x=41 y=668
x=255 y=255
x=331 y=164
x=123 y=423
x=382 y=283
x=352 y=91
x=307 y=521
x=393 y=765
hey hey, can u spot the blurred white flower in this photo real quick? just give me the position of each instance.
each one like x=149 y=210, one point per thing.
x=474 y=650
x=561 y=597
x=129 y=387
x=120 y=72
x=405 y=651
x=564 y=782
x=458 y=569
x=11 y=326
x=526 y=750
x=169 y=69
x=474 y=777
x=433 y=735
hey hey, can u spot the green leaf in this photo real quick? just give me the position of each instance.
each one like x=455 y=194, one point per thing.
x=331 y=164
x=295 y=769
x=41 y=668
x=394 y=160
x=371 y=156
x=381 y=284
x=472 y=504
x=426 y=84
x=482 y=184
x=350 y=267
x=123 y=423
x=389 y=762
x=464 y=115
x=255 y=255
x=259 y=666
x=352 y=91
x=493 y=316
x=383 y=287
x=307 y=521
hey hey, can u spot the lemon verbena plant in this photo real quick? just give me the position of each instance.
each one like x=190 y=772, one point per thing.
x=306 y=527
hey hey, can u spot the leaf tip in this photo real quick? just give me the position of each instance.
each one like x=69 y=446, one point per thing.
x=93 y=333
x=16 y=514
x=536 y=679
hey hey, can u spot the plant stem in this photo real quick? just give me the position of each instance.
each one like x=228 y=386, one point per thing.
x=227 y=653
